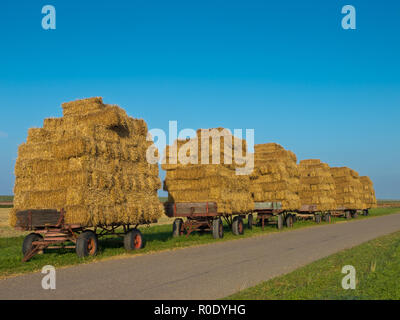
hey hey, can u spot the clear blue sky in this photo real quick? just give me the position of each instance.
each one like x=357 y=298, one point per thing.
x=285 y=68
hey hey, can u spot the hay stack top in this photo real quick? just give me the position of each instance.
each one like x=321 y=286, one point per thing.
x=91 y=162
x=209 y=146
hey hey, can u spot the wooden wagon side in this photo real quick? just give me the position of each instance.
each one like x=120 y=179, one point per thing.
x=202 y=216
x=273 y=213
x=49 y=231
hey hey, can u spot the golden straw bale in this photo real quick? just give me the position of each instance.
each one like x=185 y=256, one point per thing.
x=194 y=181
x=317 y=187
x=368 y=194
x=90 y=162
x=349 y=189
x=267 y=147
x=83 y=106
x=275 y=177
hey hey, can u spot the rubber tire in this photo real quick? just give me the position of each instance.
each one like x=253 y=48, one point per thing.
x=27 y=244
x=250 y=219
x=327 y=218
x=279 y=225
x=176 y=228
x=354 y=215
x=365 y=212
x=217 y=229
x=294 y=218
x=289 y=221
x=237 y=226
x=317 y=218
x=133 y=240
x=347 y=215
x=82 y=249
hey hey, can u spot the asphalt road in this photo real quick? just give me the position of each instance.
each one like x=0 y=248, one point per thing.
x=204 y=272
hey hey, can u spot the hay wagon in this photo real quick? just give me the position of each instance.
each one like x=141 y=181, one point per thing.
x=49 y=231
x=308 y=212
x=202 y=216
x=272 y=213
x=348 y=213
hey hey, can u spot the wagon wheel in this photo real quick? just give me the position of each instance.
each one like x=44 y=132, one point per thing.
x=86 y=244
x=347 y=214
x=317 y=218
x=289 y=221
x=237 y=226
x=280 y=222
x=177 y=228
x=250 y=221
x=217 y=228
x=133 y=240
x=327 y=218
x=27 y=245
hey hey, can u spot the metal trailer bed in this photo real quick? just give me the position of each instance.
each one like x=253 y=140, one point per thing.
x=272 y=213
x=311 y=212
x=51 y=232
x=349 y=213
x=202 y=216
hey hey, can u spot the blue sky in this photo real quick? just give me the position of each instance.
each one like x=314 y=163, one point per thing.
x=284 y=68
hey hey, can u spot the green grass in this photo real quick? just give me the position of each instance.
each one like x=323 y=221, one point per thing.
x=157 y=238
x=377 y=265
x=6 y=198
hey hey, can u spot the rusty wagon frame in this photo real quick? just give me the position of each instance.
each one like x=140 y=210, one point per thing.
x=51 y=232
x=271 y=213
x=311 y=212
x=202 y=217
x=349 y=213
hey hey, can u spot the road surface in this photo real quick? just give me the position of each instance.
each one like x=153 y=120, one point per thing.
x=205 y=272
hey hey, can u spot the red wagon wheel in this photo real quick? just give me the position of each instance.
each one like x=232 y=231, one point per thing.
x=86 y=244
x=237 y=226
x=133 y=240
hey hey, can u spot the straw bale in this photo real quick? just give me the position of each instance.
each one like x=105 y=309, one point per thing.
x=83 y=107
x=349 y=189
x=275 y=177
x=317 y=187
x=368 y=195
x=92 y=162
x=199 y=182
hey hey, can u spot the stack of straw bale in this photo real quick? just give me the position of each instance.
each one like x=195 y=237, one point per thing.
x=317 y=187
x=368 y=196
x=195 y=176
x=91 y=162
x=349 y=188
x=275 y=177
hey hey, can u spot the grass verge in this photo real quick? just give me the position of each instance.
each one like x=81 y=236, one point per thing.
x=6 y=198
x=158 y=238
x=377 y=265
